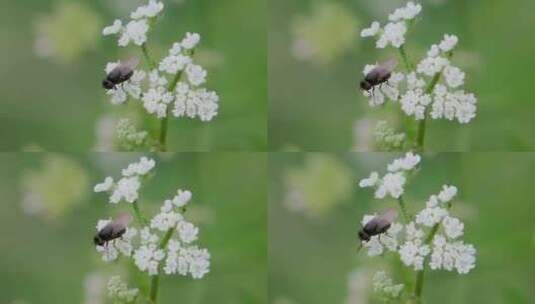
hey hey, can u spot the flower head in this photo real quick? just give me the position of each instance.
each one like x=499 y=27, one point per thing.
x=421 y=93
x=127 y=187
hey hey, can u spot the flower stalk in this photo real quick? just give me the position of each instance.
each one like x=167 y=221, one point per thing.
x=155 y=281
x=419 y=90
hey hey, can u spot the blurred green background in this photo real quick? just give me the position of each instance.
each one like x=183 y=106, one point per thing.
x=49 y=213
x=313 y=256
x=53 y=60
x=316 y=57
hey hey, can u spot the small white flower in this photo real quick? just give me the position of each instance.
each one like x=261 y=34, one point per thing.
x=165 y=220
x=136 y=31
x=182 y=198
x=104 y=186
x=153 y=102
x=448 y=43
x=414 y=103
x=432 y=65
x=407 y=163
x=371 y=181
x=413 y=82
x=109 y=253
x=434 y=51
x=456 y=255
x=447 y=193
x=196 y=74
x=410 y=11
x=377 y=98
x=140 y=168
x=174 y=63
x=147 y=258
x=113 y=29
x=118 y=95
x=200 y=102
x=119 y=290
x=190 y=41
x=453 y=227
x=384 y=285
x=412 y=253
x=391 y=184
x=187 y=232
x=150 y=10
x=371 y=31
x=127 y=189
x=394 y=34
x=147 y=237
x=431 y=216
x=175 y=49
x=432 y=201
x=413 y=233
x=155 y=80
x=454 y=76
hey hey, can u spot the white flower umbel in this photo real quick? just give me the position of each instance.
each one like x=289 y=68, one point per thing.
x=118 y=290
x=430 y=89
x=429 y=238
x=126 y=188
x=384 y=286
x=174 y=84
x=392 y=184
x=164 y=244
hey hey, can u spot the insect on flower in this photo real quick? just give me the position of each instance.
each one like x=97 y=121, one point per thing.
x=378 y=75
x=113 y=230
x=121 y=73
x=378 y=225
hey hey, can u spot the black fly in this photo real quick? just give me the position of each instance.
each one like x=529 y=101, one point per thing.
x=378 y=75
x=113 y=230
x=378 y=225
x=121 y=73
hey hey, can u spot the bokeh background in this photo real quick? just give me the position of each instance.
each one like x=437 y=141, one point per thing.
x=313 y=251
x=53 y=60
x=316 y=57
x=49 y=212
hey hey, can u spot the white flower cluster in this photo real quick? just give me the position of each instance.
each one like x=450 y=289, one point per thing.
x=419 y=95
x=178 y=256
x=118 y=290
x=386 y=137
x=393 y=32
x=384 y=286
x=412 y=241
x=135 y=30
x=393 y=182
x=159 y=96
x=128 y=185
x=127 y=135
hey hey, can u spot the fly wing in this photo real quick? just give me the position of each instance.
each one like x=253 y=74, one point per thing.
x=388 y=216
x=388 y=66
x=130 y=63
x=123 y=219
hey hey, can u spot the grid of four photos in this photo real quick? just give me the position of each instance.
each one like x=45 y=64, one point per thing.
x=266 y=151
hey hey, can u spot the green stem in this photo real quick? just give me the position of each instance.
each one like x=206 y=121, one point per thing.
x=419 y=285
x=145 y=51
x=421 y=125
x=155 y=281
x=405 y=58
x=165 y=120
x=138 y=214
x=403 y=209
